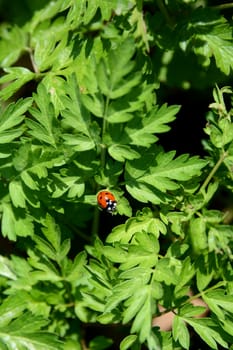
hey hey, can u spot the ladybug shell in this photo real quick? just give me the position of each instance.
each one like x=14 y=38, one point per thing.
x=106 y=201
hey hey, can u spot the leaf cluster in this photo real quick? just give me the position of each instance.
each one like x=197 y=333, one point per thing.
x=93 y=122
x=68 y=138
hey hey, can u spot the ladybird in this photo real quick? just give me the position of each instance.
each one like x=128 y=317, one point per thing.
x=106 y=201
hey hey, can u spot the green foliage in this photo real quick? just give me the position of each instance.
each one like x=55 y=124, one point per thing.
x=20 y=329
x=79 y=114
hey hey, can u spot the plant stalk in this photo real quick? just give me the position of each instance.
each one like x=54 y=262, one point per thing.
x=213 y=171
x=96 y=216
x=222 y=6
x=165 y=13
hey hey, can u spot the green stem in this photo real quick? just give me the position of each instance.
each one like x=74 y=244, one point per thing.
x=222 y=6
x=95 y=222
x=96 y=216
x=196 y=296
x=213 y=171
x=200 y=294
x=34 y=66
x=165 y=13
x=104 y=127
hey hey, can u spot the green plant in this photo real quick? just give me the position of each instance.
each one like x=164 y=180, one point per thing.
x=92 y=121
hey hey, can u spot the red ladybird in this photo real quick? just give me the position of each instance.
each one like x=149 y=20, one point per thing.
x=107 y=201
